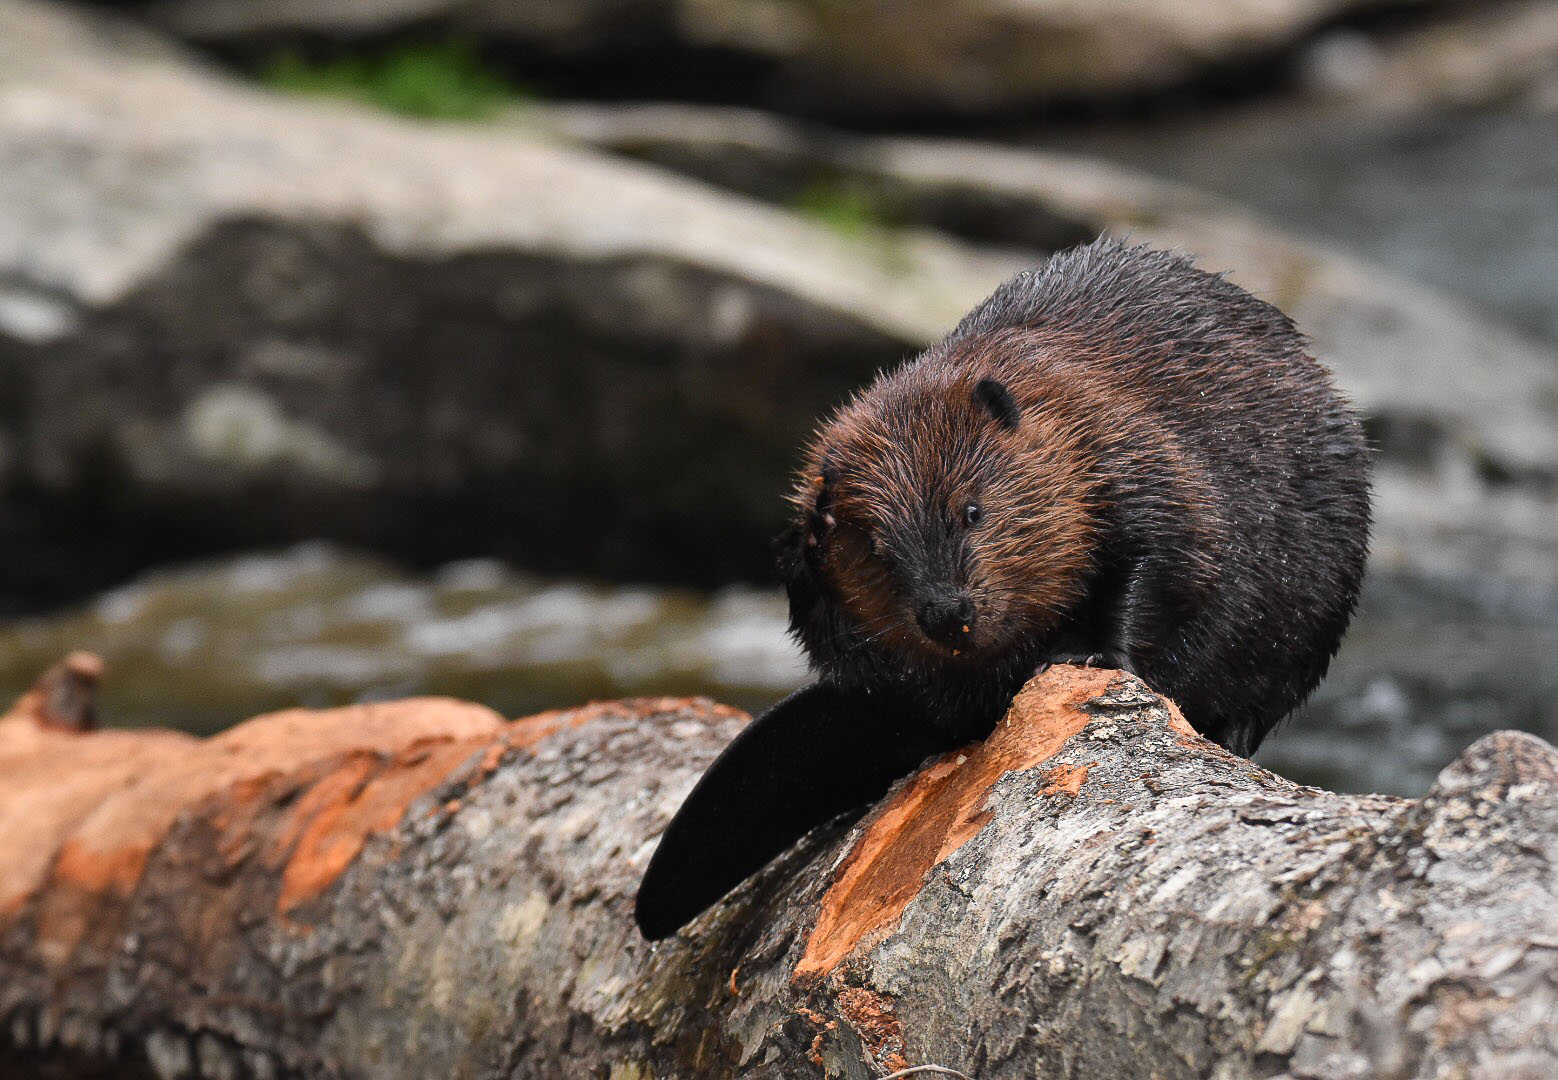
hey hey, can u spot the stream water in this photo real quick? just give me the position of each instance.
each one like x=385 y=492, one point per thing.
x=202 y=647
x=1466 y=201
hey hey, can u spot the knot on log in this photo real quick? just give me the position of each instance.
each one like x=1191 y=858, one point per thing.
x=1496 y=763
x=1497 y=802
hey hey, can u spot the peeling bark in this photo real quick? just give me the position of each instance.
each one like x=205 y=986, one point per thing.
x=422 y=889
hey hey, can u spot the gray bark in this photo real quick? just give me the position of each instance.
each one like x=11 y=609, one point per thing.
x=1093 y=892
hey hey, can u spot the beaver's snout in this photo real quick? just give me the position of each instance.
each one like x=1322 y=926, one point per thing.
x=946 y=617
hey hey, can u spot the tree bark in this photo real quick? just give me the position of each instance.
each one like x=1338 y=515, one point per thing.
x=422 y=889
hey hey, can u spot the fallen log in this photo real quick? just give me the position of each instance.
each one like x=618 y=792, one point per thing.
x=423 y=889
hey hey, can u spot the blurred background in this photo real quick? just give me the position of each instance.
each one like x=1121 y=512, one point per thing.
x=353 y=349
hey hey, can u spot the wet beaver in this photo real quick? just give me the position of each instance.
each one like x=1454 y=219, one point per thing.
x=1116 y=459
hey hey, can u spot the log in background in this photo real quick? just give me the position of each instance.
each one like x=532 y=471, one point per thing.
x=423 y=889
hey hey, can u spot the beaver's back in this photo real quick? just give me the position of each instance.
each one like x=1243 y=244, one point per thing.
x=1222 y=437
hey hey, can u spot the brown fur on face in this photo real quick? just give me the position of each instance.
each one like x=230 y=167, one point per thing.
x=896 y=469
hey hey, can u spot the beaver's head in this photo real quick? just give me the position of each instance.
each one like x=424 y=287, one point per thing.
x=939 y=516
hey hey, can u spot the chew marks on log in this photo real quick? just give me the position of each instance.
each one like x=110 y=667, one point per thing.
x=943 y=807
x=302 y=790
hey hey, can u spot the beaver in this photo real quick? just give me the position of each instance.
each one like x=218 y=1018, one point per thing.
x=1117 y=459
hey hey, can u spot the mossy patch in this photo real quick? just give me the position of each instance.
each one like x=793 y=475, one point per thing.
x=446 y=79
x=848 y=209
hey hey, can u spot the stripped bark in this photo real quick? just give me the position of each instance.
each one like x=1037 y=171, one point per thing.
x=421 y=889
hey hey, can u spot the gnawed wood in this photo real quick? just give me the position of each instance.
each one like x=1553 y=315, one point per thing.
x=424 y=889
x=943 y=807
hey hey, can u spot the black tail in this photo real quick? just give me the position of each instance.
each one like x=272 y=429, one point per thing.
x=814 y=755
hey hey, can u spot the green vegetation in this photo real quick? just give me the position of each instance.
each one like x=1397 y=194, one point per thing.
x=847 y=209
x=860 y=212
x=435 y=79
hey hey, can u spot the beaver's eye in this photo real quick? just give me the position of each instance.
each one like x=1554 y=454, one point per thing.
x=973 y=514
x=879 y=552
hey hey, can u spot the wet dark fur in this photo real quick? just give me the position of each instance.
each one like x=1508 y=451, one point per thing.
x=1182 y=494
x=1117 y=459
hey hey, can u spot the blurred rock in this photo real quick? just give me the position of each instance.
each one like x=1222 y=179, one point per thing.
x=1406 y=354
x=1464 y=409
x=1460 y=199
x=232 y=318
x=1475 y=55
x=861 y=58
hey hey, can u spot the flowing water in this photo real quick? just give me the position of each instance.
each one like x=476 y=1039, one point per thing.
x=1466 y=201
x=202 y=647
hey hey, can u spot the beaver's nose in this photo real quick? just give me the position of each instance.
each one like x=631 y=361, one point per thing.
x=947 y=618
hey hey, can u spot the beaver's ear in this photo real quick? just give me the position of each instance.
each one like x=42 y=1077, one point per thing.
x=819 y=752
x=997 y=400
x=993 y=396
x=799 y=547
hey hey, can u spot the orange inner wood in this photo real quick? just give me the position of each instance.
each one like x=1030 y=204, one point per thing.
x=943 y=807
